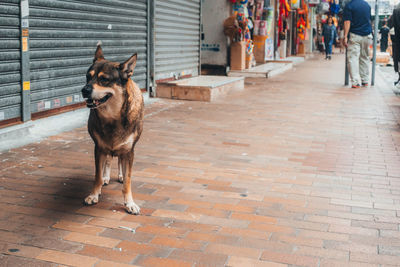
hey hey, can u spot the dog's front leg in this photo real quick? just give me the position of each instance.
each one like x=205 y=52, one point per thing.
x=107 y=170
x=120 y=171
x=100 y=158
x=127 y=162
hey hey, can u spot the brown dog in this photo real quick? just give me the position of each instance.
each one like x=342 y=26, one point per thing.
x=115 y=122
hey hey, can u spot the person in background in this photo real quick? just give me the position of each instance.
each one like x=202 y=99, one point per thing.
x=357 y=31
x=394 y=22
x=330 y=35
x=384 y=31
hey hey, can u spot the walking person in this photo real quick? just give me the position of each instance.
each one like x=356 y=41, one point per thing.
x=384 y=31
x=357 y=31
x=330 y=35
x=394 y=22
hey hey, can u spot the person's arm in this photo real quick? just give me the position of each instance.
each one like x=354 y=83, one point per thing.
x=346 y=31
x=390 y=22
x=347 y=17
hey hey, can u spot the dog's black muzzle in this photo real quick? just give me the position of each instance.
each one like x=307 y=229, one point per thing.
x=87 y=91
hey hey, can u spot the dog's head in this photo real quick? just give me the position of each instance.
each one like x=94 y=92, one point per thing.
x=106 y=79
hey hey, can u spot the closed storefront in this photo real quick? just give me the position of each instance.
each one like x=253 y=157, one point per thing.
x=63 y=38
x=62 y=41
x=177 y=38
x=10 y=61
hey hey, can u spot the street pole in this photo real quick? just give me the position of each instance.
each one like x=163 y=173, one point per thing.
x=375 y=41
x=346 y=71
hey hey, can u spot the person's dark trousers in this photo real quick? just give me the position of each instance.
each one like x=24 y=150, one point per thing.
x=384 y=46
x=328 y=48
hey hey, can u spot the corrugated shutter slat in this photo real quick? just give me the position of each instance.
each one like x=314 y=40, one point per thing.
x=177 y=38
x=63 y=38
x=10 y=60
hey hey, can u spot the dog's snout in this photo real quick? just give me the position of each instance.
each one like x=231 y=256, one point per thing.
x=87 y=91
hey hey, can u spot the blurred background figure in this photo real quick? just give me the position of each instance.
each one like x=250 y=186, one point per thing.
x=384 y=31
x=329 y=33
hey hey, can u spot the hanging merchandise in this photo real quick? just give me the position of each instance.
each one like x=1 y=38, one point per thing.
x=259 y=9
x=284 y=9
x=334 y=6
x=301 y=28
x=303 y=23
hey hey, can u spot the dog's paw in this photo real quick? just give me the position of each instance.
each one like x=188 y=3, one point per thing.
x=120 y=178
x=132 y=208
x=92 y=199
x=106 y=180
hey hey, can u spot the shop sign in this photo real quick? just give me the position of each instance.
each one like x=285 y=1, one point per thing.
x=314 y=2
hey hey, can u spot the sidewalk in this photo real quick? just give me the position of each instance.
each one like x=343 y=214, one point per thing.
x=296 y=170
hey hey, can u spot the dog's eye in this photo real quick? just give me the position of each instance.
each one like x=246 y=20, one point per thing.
x=104 y=79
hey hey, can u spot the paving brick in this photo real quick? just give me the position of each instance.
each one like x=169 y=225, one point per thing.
x=92 y=211
x=253 y=218
x=323 y=253
x=336 y=263
x=104 y=263
x=124 y=234
x=236 y=261
x=271 y=228
x=116 y=255
x=12 y=261
x=139 y=248
x=374 y=258
x=66 y=258
x=162 y=262
x=109 y=223
x=157 y=230
x=19 y=250
x=92 y=240
x=289 y=259
x=177 y=243
x=234 y=208
x=185 y=216
x=199 y=258
x=297 y=240
x=223 y=239
x=78 y=227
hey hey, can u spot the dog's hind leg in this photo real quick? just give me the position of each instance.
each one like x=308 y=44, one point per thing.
x=107 y=170
x=120 y=171
x=127 y=162
x=100 y=159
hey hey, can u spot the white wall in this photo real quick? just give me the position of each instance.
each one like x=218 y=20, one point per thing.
x=214 y=46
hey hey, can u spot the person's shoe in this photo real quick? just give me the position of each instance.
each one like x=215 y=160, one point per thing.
x=329 y=57
x=355 y=86
x=364 y=84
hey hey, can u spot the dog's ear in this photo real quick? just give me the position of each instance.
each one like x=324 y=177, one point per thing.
x=99 y=53
x=128 y=66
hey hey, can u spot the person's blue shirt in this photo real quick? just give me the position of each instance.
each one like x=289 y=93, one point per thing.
x=359 y=14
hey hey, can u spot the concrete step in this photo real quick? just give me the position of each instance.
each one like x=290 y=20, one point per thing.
x=264 y=70
x=200 y=88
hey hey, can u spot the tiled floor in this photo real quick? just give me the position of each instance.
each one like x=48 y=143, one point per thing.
x=296 y=170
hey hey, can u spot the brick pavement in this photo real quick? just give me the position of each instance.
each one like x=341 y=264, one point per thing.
x=294 y=171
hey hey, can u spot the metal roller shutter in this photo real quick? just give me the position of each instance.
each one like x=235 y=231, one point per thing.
x=63 y=38
x=10 y=60
x=177 y=38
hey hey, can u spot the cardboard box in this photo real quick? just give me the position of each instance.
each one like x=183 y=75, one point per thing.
x=249 y=59
x=259 y=48
x=238 y=56
x=301 y=49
